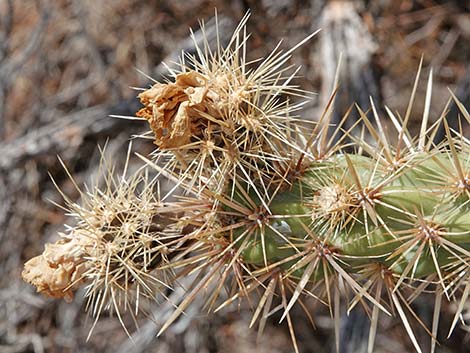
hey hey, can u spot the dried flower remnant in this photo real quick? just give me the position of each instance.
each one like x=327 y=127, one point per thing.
x=171 y=109
x=58 y=271
x=184 y=109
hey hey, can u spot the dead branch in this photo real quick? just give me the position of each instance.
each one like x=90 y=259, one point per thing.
x=347 y=46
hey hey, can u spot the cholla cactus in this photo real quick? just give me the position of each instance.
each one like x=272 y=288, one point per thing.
x=273 y=204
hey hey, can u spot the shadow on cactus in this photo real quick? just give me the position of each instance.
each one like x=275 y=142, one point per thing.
x=273 y=207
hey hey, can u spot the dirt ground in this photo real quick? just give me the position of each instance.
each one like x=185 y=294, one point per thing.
x=66 y=65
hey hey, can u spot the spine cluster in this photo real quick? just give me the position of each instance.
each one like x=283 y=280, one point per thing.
x=272 y=205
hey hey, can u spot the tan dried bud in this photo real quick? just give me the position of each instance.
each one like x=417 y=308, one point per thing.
x=167 y=107
x=58 y=271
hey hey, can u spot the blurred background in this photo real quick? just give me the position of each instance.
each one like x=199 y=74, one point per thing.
x=66 y=65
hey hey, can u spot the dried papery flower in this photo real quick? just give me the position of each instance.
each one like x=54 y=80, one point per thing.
x=172 y=109
x=59 y=270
